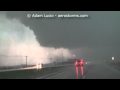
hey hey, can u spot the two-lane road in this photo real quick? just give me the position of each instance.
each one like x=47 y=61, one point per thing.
x=71 y=73
x=88 y=71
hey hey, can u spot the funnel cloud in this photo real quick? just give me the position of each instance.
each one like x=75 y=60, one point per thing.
x=18 y=41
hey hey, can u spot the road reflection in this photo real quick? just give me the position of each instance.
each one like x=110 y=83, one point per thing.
x=81 y=71
x=77 y=72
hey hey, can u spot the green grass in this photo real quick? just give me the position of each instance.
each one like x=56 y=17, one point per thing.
x=29 y=74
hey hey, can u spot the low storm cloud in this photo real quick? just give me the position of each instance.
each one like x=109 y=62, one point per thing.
x=93 y=38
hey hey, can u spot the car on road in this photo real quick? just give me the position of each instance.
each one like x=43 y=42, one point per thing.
x=79 y=62
x=39 y=65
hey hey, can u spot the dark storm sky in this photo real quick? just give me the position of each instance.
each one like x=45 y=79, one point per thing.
x=99 y=34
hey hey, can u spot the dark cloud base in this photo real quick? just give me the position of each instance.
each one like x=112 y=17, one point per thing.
x=90 y=38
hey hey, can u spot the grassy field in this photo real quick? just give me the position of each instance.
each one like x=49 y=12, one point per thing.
x=115 y=63
x=29 y=74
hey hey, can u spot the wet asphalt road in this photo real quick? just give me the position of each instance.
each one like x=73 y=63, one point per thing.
x=88 y=71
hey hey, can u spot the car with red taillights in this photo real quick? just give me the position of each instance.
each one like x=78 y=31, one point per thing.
x=79 y=62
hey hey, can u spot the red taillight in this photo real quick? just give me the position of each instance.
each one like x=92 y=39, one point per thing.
x=81 y=62
x=76 y=63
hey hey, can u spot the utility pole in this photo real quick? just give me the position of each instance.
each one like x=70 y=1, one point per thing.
x=26 y=60
x=51 y=60
x=62 y=56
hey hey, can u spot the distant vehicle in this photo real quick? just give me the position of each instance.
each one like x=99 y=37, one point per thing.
x=39 y=65
x=79 y=62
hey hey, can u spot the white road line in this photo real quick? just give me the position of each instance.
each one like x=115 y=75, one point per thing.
x=52 y=74
x=113 y=69
x=83 y=77
x=86 y=72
